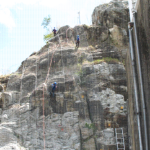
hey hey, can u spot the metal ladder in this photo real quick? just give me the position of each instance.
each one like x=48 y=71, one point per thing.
x=120 y=139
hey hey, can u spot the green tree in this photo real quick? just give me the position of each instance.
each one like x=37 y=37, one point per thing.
x=47 y=37
x=46 y=25
x=46 y=22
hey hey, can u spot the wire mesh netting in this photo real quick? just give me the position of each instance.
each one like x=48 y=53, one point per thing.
x=89 y=101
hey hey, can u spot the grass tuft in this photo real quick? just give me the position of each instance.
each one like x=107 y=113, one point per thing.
x=104 y=59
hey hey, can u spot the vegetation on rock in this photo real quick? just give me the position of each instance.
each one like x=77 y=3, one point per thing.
x=45 y=24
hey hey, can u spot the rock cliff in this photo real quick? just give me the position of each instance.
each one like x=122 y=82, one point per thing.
x=114 y=13
x=91 y=95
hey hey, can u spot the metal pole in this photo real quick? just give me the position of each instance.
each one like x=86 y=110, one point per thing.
x=130 y=9
x=141 y=84
x=135 y=89
x=79 y=17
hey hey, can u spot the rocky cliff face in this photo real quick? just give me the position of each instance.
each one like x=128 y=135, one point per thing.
x=114 y=13
x=91 y=95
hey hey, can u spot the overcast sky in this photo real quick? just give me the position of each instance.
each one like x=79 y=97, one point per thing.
x=21 y=32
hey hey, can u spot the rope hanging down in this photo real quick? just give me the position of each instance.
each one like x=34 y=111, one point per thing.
x=44 y=85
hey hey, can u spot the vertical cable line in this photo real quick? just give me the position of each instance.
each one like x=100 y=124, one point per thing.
x=43 y=101
x=44 y=85
x=90 y=109
x=63 y=66
x=82 y=101
x=95 y=74
x=35 y=89
x=23 y=69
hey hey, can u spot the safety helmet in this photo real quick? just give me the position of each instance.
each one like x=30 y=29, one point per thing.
x=55 y=83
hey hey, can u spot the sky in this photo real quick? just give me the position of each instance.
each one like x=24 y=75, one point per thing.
x=21 y=32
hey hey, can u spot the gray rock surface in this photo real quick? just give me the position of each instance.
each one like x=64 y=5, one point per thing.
x=91 y=92
x=113 y=13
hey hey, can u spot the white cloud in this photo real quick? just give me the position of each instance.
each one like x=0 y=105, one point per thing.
x=6 y=18
x=20 y=8
x=47 y=3
x=61 y=5
x=5 y=10
x=11 y=3
x=6 y=6
x=54 y=3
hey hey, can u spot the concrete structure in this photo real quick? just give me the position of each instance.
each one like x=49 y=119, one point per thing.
x=138 y=73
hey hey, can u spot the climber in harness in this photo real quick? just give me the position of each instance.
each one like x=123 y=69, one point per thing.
x=54 y=31
x=53 y=88
x=78 y=41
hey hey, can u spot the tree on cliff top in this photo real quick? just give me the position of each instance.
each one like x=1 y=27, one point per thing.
x=46 y=22
x=46 y=25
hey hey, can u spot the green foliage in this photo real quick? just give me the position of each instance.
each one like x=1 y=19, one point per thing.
x=91 y=126
x=46 y=22
x=106 y=59
x=47 y=37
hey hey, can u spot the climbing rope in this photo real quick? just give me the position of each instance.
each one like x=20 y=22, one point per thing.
x=44 y=85
x=43 y=120
x=23 y=70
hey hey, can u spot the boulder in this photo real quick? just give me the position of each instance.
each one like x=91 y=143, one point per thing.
x=106 y=139
x=95 y=35
x=113 y=13
x=28 y=84
x=118 y=36
x=6 y=99
x=14 y=82
x=89 y=144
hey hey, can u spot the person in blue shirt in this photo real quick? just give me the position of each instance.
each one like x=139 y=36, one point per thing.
x=78 y=41
x=54 y=31
x=53 y=88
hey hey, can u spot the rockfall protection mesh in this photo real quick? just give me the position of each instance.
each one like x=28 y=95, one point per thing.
x=81 y=87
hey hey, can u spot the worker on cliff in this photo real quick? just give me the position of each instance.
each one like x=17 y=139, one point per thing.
x=78 y=41
x=54 y=31
x=53 y=88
